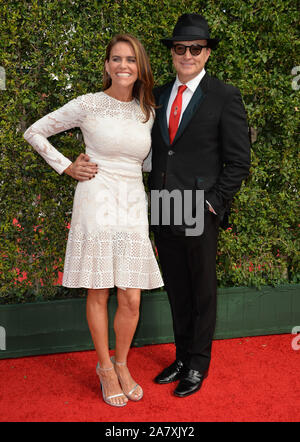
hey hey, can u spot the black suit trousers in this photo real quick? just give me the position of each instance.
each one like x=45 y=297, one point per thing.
x=188 y=266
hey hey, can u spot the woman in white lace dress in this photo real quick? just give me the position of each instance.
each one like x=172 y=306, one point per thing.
x=108 y=243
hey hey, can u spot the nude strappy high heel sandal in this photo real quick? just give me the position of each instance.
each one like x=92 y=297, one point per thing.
x=107 y=399
x=129 y=394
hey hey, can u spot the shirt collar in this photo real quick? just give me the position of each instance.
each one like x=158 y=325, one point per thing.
x=192 y=84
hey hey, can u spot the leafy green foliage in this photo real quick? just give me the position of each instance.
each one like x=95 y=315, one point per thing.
x=54 y=51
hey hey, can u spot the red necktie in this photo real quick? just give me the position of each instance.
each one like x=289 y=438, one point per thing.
x=175 y=113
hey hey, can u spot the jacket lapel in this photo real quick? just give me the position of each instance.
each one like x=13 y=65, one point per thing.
x=162 y=112
x=192 y=107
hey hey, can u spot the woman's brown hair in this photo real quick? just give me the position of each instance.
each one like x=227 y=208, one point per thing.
x=142 y=89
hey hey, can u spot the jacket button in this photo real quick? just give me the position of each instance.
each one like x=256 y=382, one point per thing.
x=171 y=152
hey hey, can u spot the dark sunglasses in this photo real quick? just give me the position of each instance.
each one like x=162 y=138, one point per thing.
x=180 y=49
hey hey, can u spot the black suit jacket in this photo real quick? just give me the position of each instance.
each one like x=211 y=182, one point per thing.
x=211 y=149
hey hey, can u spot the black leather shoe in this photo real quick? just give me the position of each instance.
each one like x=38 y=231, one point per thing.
x=170 y=374
x=190 y=382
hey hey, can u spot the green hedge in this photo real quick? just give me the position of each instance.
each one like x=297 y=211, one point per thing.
x=53 y=51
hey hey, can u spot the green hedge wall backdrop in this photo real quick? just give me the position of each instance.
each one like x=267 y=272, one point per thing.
x=53 y=51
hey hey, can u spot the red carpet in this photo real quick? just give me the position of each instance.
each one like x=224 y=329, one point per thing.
x=251 y=379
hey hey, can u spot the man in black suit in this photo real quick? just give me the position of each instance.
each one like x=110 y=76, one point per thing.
x=199 y=142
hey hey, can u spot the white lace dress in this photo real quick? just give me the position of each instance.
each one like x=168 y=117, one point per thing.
x=108 y=243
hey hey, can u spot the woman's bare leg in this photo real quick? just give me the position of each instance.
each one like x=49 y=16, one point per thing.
x=97 y=317
x=125 y=323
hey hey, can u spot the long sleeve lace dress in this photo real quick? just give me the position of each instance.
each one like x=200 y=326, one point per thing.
x=108 y=242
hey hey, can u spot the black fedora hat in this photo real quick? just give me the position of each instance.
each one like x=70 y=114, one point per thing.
x=191 y=27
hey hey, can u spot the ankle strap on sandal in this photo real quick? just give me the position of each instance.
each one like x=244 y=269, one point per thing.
x=121 y=363
x=103 y=369
x=113 y=360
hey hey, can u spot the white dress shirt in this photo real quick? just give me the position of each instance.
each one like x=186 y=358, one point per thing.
x=187 y=94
